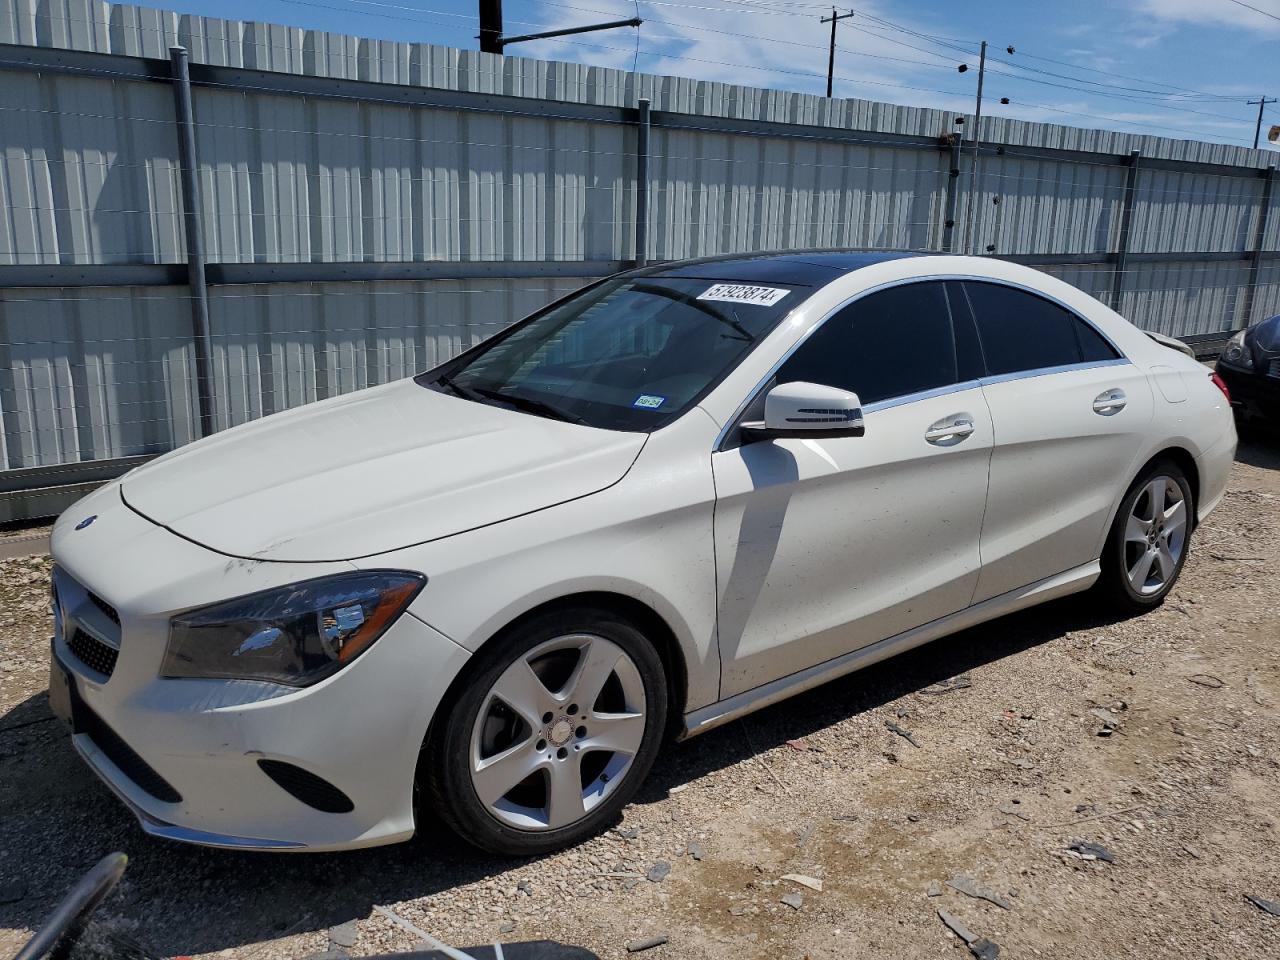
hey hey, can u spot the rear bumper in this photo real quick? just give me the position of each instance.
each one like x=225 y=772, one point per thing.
x=1214 y=468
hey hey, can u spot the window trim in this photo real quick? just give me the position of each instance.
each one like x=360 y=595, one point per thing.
x=735 y=421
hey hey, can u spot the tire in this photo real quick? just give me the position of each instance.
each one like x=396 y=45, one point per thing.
x=515 y=712
x=1134 y=547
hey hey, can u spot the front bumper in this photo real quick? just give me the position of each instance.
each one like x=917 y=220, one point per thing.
x=360 y=731
x=1254 y=394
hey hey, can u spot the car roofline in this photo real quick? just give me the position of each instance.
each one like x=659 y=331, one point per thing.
x=797 y=255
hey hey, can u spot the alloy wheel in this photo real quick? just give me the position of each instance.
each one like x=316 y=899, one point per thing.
x=1155 y=536
x=557 y=732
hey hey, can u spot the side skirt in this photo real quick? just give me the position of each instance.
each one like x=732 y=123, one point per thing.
x=709 y=717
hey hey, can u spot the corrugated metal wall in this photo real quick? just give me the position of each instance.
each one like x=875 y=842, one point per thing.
x=280 y=345
x=89 y=176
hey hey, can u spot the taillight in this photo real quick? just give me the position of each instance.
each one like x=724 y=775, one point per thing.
x=1221 y=385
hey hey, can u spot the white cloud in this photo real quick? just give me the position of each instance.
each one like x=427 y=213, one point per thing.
x=1215 y=12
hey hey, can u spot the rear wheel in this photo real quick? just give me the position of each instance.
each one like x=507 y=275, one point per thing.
x=557 y=724
x=1148 y=542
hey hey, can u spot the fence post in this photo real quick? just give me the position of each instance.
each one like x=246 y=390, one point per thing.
x=1259 y=237
x=953 y=143
x=1126 y=222
x=194 y=237
x=642 y=185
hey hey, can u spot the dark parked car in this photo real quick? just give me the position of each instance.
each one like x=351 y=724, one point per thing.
x=1250 y=366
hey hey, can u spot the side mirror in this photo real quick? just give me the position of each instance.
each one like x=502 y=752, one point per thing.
x=807 y=410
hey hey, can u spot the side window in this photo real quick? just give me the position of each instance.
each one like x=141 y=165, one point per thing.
x=1020 y=331
x=1092 y=346
x=888 y=344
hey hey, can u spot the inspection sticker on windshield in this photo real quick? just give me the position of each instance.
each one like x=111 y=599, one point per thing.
x=648 y=401
x=741 y=293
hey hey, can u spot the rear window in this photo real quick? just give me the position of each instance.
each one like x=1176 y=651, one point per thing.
x=629 y=354
x=1021 y=331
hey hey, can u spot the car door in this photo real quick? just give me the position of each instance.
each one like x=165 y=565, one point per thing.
x=1069 y=413
x=825 y=546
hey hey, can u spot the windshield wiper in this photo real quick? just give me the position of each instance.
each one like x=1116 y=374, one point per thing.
x=528 y=404
x=531 y=405
x=467 y=393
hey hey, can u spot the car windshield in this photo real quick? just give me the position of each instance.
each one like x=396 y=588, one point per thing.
x=630 y=354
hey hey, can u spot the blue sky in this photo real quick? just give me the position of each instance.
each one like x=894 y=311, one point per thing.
x=1181 y=68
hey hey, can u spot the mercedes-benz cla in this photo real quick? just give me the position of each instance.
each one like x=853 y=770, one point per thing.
x=486 y=594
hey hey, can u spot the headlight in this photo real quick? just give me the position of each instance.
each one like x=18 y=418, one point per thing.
x=1237 y=352
x=296 y=635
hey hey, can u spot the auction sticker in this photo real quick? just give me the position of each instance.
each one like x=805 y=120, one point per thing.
x=742 y=293
x=648 y=401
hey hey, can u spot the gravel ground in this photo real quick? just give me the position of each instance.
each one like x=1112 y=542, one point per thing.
x=1154 y=737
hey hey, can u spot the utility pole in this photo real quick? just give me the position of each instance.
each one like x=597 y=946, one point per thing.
x=974 y=205
x=831 y=56
x=1257 y=130
x=492 y=40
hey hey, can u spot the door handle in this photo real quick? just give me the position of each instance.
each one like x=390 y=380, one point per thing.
x=1109 y=402
x=950 y=430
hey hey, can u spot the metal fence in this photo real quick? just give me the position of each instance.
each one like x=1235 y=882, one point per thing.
x=290 y=214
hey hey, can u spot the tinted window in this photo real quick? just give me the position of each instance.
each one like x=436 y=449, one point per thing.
x=888 y=344
x=628 y=354
x=1092 y=346
x=1020 y=331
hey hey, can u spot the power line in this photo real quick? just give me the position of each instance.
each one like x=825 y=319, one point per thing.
x=1108 y=73
x=1162 y=103
x=1248 y=6
x=1099 y=83
x=1120 y=91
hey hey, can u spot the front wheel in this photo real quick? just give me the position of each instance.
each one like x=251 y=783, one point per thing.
x=1149 y=538
x=556 y=725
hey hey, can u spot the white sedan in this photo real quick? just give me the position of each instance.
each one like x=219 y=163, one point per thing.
x=487 y=594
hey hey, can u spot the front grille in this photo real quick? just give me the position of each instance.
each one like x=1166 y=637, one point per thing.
x=90 y=626
x=84 y=720
x=1274 y=369
x=106 y=608
x=304 y=785
x=92 y=652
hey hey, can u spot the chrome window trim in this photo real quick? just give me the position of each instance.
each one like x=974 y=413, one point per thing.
x=891 y=402
x=735 y=421
x=1046 y=371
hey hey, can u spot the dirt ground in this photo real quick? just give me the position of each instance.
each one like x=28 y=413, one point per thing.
x=1156 y=737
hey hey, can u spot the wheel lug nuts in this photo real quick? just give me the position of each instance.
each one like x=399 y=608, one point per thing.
x=562 y=753
x=547 y=718
x=540 y=745
x=581 y=732
x=573 y=709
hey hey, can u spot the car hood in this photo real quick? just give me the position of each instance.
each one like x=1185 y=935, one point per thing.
x=371 y=472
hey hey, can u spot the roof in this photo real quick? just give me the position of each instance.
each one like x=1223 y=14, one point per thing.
x=800 y=267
